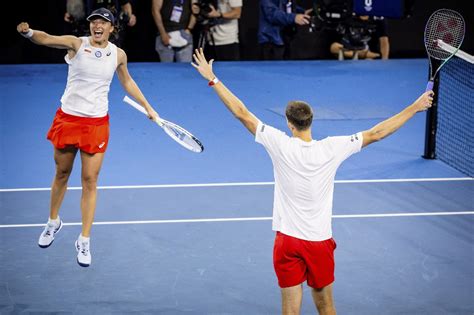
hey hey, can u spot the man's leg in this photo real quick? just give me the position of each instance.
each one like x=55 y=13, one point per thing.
x=210 y=52
x=291 y=299
x=266 y=51
x=337 y=50
x=290 y=269
x=323 y=300
x=229 y=52
x=278 y=52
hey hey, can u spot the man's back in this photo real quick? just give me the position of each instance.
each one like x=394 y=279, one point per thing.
x=304 y=180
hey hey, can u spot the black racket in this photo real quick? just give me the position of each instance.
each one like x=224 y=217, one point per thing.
x=444 y=26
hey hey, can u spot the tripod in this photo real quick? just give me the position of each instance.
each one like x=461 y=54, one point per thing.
x=205 y=34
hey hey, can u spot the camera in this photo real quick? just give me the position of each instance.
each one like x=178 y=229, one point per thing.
x=202 y=17
x=339 y=17
x=122 y=20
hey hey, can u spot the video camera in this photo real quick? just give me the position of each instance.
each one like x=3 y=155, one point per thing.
x=355 y=20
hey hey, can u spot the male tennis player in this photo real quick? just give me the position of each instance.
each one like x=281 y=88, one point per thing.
x=82 y=121
x=304 y=171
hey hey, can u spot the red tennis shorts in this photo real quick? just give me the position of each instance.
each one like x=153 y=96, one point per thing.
x=296 y=261
x=88 y=134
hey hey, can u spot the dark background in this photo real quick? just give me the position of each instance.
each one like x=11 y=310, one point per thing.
x=406 y=35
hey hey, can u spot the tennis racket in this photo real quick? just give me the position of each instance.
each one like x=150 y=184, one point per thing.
x=176 y=132
x=443 y=26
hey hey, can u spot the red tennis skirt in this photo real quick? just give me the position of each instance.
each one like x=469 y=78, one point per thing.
x=88 y=134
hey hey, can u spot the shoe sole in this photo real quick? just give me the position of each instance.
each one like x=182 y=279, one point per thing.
x=79 y=263
x=46 y=246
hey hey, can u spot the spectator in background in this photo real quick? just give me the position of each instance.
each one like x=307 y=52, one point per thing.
x=275 y=15
x=175 y=21
x=378 y=46
x=380 y=41
x=223 y=38
x=77 y=10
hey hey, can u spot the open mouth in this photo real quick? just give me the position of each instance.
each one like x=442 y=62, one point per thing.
x=98 y=34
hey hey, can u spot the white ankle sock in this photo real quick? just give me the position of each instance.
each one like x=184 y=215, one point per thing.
x=84 y=239
x=55 y=221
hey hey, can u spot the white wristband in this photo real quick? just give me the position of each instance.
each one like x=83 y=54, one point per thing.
x=28 y=34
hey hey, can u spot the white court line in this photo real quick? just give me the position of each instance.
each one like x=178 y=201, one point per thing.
x=350 y=181
x=339 y=216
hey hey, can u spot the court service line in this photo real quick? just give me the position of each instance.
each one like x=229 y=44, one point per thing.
x=350 y=181
x=338 y=216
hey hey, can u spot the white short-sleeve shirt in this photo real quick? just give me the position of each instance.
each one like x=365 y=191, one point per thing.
x=304 y=180
x=226 y=32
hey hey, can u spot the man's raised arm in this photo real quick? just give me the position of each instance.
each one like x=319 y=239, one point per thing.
x=231 y=101
x=389 y=126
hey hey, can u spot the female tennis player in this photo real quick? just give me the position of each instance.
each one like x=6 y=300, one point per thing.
x=82 y=121
x=304 y=171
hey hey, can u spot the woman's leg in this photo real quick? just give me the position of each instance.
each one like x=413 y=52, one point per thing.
x=64 y=159
x=91 y=164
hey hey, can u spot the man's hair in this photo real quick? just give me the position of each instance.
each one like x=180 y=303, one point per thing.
x=299 y=114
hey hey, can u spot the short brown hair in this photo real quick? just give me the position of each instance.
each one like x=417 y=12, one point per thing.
x=299 y=114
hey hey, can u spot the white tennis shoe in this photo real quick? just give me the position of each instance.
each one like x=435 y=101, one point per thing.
x=47 y=236
x=84 y=257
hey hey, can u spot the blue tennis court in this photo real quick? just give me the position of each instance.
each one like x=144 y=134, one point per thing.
x=183 y=233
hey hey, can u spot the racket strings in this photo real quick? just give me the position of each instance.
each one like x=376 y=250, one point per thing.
x=183 y=137
x=445 y=25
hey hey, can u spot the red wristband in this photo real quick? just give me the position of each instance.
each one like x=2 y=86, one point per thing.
x=213 y=81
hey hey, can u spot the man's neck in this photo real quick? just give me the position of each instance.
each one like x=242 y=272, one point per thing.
x=304 y=135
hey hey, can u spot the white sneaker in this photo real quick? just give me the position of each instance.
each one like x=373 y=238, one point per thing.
x=84 y=257
x=47 y=237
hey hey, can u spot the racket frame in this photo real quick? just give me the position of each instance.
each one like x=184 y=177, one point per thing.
x=165 y=124
x=430 y=84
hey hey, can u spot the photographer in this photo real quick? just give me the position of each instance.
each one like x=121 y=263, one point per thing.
x=223 y=37
x=77 y=10
x=275 y=15
x=175 y=21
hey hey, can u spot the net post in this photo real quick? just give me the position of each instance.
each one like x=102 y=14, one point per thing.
x=431 y=123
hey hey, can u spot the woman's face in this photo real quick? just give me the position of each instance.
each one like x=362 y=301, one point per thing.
x=100 y=30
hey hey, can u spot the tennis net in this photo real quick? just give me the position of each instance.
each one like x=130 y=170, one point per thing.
x=455 y=113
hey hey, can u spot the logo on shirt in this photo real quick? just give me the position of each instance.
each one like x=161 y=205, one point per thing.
x=101 y=145
x=87 y=50
x=98 y=54
x=109 y=53
x=354 y=137
x=262 y=129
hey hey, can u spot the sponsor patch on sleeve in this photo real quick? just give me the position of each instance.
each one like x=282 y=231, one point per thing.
x=354 y=138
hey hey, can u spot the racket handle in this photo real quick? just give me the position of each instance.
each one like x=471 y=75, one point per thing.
x=429 y=86
x=140 y=108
